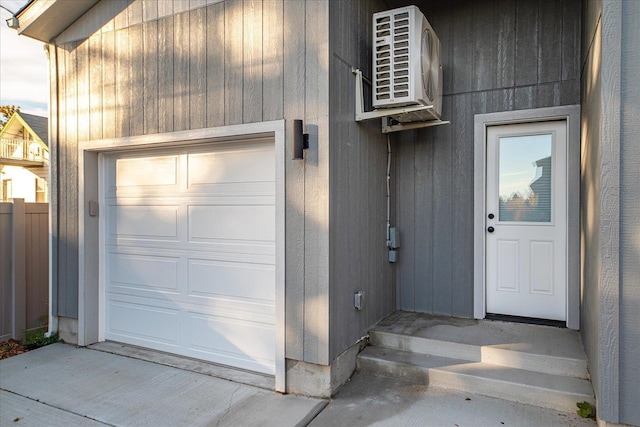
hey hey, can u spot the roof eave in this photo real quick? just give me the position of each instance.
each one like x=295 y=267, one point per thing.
x=45 y=19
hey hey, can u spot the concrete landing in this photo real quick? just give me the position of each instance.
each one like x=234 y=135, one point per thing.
x=478 y=334
x=63 y=385
x=531 y=364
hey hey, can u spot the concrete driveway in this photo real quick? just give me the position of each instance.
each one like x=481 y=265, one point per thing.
x=60 y=385
x=375 y=401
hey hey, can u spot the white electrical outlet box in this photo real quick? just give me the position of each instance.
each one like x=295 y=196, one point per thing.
x=93 y=208
x=357 y=300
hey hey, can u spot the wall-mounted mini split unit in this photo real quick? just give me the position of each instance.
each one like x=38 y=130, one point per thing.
x=406 y=64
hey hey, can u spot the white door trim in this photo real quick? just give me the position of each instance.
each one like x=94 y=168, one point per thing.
x=91 y=228
x=571 y=114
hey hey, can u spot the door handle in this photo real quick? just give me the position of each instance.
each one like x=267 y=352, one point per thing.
x=491 y=229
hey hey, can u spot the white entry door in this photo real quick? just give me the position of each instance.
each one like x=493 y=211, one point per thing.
x=526 y=220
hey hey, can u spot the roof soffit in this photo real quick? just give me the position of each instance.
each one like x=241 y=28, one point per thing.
x=45 y=19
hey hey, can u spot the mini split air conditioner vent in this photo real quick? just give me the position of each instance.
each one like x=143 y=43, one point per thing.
x=406 y=63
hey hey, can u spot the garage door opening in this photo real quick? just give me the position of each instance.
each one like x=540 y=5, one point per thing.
x=189 y=243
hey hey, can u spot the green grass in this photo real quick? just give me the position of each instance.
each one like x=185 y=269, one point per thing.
x=585 y=410
x=36 y=338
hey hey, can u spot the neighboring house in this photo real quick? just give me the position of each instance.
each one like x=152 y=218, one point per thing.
x=181 y=222
x=24 y=158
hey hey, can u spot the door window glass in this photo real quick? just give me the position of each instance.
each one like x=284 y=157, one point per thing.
x=524 y=181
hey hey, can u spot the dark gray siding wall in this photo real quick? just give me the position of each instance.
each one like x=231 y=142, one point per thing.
x=139 y=67
x=357 y=185
x=497 y=56
x=630 y=214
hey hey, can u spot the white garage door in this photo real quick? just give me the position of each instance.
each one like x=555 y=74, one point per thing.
x=190 y=252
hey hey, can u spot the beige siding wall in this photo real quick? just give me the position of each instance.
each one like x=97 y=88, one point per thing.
x=142 y=67
x=6 y=260
x=36 y=234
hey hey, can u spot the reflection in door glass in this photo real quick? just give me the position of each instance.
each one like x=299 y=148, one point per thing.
x=524 y=184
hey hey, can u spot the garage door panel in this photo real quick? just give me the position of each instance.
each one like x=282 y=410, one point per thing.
x=146 y=171
x=251 y=252
x=258 y=252
x=255 y=311
x=192 y=199
x=149 y=295
x=263 y=253
x=248 y=189
x=143 y=324
x=251 y=223
x=134 y=176
x=240 y=165
x=144 y=222
x=244 y=344
x=241 y=280
x=143 y=271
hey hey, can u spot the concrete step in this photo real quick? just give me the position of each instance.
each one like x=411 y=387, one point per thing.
x=403 y=365
x=529 y=347
x=517 y=385
x=512 y=384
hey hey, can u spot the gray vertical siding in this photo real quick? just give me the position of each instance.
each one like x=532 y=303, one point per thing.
x=600 y=220
x=295 y=195
x=316 y=189
x=590 y=191
x=630 y=216
x=136 y=67
x=611 y=206
x=358 y=162
x=497 y=56
x=67 y=191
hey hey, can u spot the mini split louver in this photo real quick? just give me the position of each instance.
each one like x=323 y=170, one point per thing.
x=406 y=63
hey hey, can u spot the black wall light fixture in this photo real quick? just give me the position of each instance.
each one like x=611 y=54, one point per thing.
x=299 y=140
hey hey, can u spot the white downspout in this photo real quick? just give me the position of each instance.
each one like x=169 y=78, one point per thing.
x=53 y=61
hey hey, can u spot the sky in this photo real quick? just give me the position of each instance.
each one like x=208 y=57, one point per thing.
x=23 y=67
x=517 y=162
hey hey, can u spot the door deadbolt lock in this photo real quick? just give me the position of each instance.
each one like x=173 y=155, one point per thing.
x=491 y=216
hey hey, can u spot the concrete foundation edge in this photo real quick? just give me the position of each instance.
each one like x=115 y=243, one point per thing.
x=309 y=379
x=68 y=330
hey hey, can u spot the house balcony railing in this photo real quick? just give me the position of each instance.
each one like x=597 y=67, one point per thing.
x=22 y=152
